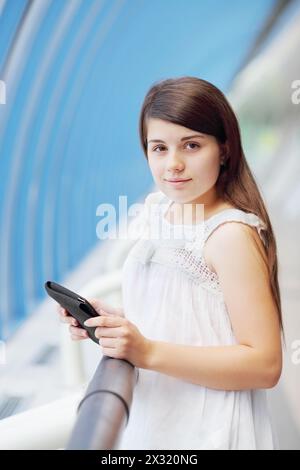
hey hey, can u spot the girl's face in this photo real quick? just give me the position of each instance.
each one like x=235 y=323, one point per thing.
x=173 y=155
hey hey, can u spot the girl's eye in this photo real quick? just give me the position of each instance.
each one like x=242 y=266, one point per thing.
x=159 y=146
x=189 y=143
x=193 y=143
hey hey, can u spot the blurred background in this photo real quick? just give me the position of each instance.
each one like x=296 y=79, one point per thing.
x=73 y=77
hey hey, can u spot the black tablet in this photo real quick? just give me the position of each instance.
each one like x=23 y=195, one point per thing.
x=77 y=306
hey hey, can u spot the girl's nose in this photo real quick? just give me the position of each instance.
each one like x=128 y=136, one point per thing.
x=175 y=163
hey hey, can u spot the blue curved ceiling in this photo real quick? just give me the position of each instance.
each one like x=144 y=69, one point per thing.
x=76 y=72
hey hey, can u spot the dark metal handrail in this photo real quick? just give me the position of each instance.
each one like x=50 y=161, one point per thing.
x=104 y=411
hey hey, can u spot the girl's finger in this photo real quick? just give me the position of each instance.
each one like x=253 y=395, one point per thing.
x=107 y=342
x=62 y=310
x=65 y=318
x=77 y=338
x=109 y=332
x=102 y=307
x=75 y=331
x=69 y=320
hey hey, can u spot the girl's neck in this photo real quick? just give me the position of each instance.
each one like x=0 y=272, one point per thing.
x=196 y=211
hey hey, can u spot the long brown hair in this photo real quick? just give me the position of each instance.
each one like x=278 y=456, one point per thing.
x=199 y=105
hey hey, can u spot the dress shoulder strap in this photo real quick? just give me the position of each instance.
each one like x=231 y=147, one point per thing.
x=150 y=207
x=234 y=215
x=156 y=204
x=155 y=197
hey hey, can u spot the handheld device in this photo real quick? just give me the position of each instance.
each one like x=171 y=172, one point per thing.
x=77 y=306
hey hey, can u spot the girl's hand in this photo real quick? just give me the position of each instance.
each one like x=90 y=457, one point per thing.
x=78 y=333
x=121 y=339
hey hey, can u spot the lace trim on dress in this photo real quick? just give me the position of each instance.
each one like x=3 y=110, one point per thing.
x=187 y=254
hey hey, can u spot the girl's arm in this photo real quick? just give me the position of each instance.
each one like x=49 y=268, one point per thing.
x=235 y=253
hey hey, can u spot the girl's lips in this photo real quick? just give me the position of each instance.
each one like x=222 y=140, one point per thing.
x=178 y=183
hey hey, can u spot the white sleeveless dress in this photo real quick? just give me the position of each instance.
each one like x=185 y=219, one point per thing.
x=170 y=294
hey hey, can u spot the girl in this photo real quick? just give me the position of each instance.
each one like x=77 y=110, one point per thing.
x=201 y=313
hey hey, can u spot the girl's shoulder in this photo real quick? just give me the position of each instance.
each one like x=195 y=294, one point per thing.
x=218 y=227
x=232 y=214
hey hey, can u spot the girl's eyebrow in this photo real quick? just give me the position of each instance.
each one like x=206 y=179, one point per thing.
x=183 y=138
